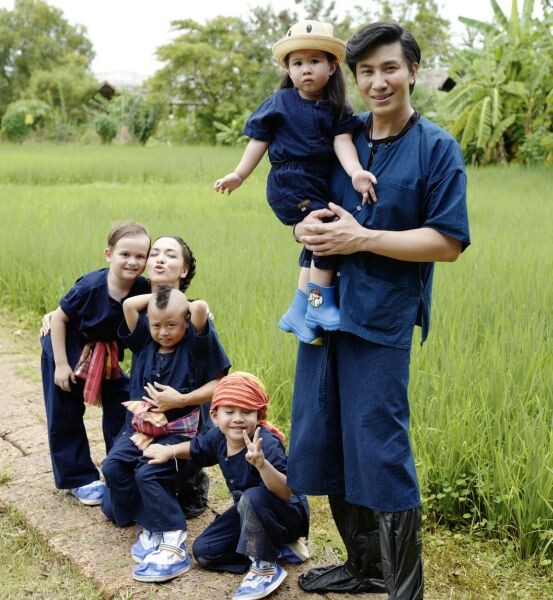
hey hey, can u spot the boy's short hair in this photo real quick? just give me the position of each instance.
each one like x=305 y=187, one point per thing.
x=378 y=34
x=161 y=298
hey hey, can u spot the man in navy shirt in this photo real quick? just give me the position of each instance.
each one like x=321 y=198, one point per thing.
x=350 y=416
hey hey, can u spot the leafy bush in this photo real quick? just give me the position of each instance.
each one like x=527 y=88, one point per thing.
x=136 y=115
x=106 y=127
x=23 y=116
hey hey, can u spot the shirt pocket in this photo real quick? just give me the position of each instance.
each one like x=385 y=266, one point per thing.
x=389 y=310
x=398 y=207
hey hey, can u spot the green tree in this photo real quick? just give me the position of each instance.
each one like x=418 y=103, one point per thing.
x=35 y=37
x=66 y=88
x=501 y=108
x=217 y=72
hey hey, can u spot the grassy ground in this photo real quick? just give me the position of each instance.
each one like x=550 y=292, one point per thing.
x=457 y=566
x=482 y=386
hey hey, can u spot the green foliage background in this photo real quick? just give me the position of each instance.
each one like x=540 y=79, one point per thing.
x=482 y=386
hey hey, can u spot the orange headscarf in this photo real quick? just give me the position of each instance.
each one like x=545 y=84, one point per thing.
x=247 y=391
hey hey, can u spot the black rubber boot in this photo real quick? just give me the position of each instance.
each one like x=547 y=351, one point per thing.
x=192 y=494
x=401 y=546
x=361 y=573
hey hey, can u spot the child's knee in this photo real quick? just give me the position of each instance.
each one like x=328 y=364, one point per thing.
x=252 y=499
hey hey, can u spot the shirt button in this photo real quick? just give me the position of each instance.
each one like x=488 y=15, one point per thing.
x=226 y=459
x=358 y=208
x=338 y=274
x=231 y=481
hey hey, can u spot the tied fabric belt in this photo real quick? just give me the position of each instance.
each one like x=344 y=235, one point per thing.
x=98 y=361
x=149 y=425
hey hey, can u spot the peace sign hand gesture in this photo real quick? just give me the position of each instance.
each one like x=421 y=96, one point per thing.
x=254 y=455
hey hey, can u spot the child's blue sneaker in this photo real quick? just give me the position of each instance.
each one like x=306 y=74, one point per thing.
x=294 y=552
x=262 y=579
x=167 y=562
x=147 y=542
x=90 y=494
x=293 y=321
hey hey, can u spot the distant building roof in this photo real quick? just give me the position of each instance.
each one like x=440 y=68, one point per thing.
x=112 y=82
x=122 y=79
x=436 y=78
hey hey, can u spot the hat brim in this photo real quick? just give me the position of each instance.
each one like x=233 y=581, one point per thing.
x=287 y=45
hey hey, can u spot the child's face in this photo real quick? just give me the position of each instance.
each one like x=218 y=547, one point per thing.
x=168 y=325
x=128 y=257
x=310 y=71
x=234 y=420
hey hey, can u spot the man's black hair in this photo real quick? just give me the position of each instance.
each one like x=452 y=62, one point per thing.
x=377 y=34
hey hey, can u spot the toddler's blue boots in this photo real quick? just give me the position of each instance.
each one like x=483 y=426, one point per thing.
x=293 y=321
x=321 y=308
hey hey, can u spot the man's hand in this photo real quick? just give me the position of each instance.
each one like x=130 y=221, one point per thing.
x=343 y=236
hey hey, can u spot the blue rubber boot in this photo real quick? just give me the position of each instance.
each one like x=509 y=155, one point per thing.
x=293 y=321
x=321 y=308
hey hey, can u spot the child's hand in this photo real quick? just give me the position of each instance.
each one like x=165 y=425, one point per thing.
x=158 y=454
x=45 y=324
x=363 y=183
x=229 y=183
x=63 y=375
x=164 y=397
x=254 y=455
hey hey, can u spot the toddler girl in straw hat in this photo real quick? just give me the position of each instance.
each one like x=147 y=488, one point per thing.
x=267 y=517
x=302 y=125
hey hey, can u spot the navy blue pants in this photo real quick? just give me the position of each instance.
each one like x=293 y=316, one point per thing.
x=69 y=448
x=258 y=525
x=350 y=424
x=143 y=493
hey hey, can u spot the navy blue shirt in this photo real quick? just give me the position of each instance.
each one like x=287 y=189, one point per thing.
x=301 y=136
x=298 y=129
x=210 y=449
x=421 y=183
x=93 y=314
x=195 y=361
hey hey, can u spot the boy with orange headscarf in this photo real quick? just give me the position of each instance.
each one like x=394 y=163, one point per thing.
x=267 y=517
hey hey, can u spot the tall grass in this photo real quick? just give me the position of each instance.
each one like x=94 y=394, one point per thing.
x=481 y=387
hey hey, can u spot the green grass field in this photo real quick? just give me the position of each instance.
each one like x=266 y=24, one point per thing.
x=481 y=387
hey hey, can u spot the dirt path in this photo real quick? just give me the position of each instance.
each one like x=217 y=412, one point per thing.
x=72 y=530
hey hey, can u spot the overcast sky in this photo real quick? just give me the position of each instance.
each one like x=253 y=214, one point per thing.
x=126 y=33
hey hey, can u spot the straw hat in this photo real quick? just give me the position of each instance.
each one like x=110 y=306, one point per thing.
x=309 y=35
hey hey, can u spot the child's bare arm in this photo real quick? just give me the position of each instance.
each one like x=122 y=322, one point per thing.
x=63 y=373
x=132 y=308
x=166 y=398
x=273 y=479
x=250 y=159
x=199 y=314
x=159 y=454
x=361 y=179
